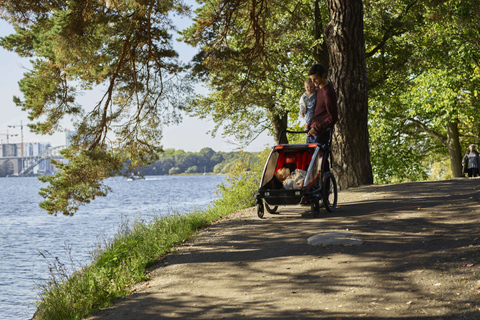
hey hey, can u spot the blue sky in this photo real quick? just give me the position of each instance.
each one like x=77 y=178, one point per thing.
x=193 y=139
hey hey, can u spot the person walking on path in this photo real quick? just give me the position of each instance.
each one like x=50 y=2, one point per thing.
x=471 y=162
x=326 y=110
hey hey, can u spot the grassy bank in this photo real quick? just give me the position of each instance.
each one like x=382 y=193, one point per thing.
x=123 y=261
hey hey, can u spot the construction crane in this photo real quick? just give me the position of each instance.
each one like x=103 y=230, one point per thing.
x=8 y=135
x=21 y=130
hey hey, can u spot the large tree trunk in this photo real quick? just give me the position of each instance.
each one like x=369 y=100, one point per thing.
x=280 y=123
x=320 y=52
x=454 y=149
x=348 y=73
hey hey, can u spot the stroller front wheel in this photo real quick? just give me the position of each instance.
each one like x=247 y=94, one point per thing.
x=260 y=210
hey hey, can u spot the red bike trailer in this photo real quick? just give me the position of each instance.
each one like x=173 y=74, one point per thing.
x=318 y=185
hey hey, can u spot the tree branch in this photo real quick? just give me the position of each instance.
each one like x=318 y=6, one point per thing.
x=434 y=134
x=390 y=32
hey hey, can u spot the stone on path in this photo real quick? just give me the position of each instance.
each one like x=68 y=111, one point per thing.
x=334 y=239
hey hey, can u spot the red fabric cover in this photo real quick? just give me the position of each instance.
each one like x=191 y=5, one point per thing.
x=302 y=160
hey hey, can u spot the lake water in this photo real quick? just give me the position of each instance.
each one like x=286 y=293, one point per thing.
x=26 y=230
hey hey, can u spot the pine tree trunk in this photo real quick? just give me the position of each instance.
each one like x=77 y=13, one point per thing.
x=454 y=149
x=348 y=74
x=280 y=123
x=320 y=52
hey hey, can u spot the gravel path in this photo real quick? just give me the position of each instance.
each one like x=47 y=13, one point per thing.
x=419 y=259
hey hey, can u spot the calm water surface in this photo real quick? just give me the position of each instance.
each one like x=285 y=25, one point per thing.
x=26 y=230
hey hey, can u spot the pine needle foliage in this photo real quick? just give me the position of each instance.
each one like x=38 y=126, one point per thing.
x=122 y=49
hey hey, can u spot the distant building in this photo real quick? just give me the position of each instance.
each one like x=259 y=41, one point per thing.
x=8 y=150
x=11 y=154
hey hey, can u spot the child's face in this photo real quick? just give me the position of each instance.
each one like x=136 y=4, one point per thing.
x=282 y=174
x=309 y=87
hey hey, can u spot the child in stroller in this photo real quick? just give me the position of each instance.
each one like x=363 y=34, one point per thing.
x=287 y=177
x=296 y=174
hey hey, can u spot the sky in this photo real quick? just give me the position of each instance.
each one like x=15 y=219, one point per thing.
x=190 y=135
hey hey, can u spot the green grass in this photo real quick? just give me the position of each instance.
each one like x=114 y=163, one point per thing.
x=118 y=265
x=123 y=261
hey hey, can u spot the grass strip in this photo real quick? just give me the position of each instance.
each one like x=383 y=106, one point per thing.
x=121 y=263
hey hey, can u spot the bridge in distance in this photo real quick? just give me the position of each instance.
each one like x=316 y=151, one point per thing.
x=21 y=166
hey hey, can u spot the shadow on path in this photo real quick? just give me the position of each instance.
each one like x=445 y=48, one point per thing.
x=419 y=260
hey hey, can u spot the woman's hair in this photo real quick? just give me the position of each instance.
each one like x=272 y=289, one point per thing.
x=471 y=146
x=317 y=69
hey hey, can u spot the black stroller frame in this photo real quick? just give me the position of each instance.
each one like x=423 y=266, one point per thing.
x=318 y=186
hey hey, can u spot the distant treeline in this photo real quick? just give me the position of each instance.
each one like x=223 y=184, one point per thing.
x=178 y=161
x=206 y=160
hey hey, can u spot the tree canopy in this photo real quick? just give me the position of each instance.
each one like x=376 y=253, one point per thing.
x=417 y=62
x=255 y=56
x=252 y=56
x=124 y=49
x=429 y=109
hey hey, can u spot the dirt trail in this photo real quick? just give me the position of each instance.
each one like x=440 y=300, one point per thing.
x=420 y=260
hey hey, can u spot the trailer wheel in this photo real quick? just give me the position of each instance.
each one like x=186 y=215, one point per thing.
x=271 y=210
x=329 y=192
x=260 y=210
x=316 y=208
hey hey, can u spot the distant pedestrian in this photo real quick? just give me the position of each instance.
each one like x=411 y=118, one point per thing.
x=471 y=162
